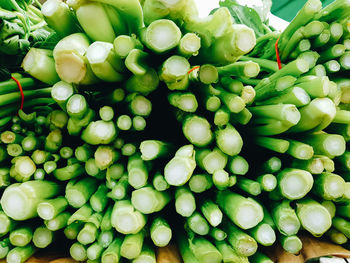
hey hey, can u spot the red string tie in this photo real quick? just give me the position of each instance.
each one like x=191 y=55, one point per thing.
x=192 y=69
x=279 y=63
x=20 y=90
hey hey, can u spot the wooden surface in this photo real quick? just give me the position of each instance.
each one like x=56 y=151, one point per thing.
x=45 y=259
x=48 y=256
x=168 y=254
x=312 y=248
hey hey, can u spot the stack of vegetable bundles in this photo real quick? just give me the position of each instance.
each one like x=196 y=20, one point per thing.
x=145 y=125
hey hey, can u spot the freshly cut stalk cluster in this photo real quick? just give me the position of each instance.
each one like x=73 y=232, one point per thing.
x=312 y=79
x=165 y=127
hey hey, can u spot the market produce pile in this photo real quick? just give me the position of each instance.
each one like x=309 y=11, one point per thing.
x=143 y=125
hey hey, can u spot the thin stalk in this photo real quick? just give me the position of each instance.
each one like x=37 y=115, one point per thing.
x=154 y=39
x=159 y=182
x=244 y=244
x=123 y=211
x=21 y=236
x=221 y=179
x=211 y=212
x=248 y=69
x=330 y=145
x=229 y=140
x=5 y=247
x=294 y=183
x=132 y=245
x=285 y=218
x=268 y=182
x=336 y=236
x=231 y=85
x=59 y=17
x=264 y=234
x=105 y=156
x=330 y=206
x=331 y=53
x=137 y=61
x=97 y=30
x=78 y=192
x=105 y=238
x=72 y=230
x=58 y=222
x=244 y=212
x=238 y=165
x=147 y=255
x=212 y=161
x=184 y=101
x=161 y=232
x=120 y=189
x=197 y=130
x=88 y=234
x=185 y=203
x=217 y=234
x=140 y=105
x=69 y=172
x=98 y=200
x=123 y=44
x=204 y=251
x=329 y=186
x=291 y=244
x=273 y=144
x=112 y=253
x=332 y=66
x=180 y=168
x=78 y=252
x=229 y=254
x=153 y=149
x=300 y=150
x=249 y=186
x=189 y=45
x=94 y=251
x=307 y=211
x=137 y=172
x=40 y=64
x=315 y=116
x=20 y=254
x=148 y=200
x=49 y=209
x=104 y=62
x=275 y=119
x=42 y=237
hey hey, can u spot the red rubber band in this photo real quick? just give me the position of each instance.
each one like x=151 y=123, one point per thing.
x=192 y=69
x=279 y=63
x=20 y=90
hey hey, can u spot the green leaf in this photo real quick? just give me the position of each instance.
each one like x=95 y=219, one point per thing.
x=9 y=29
x=245 y=15
x=5 y=74
x=263 y=10
x=6 y=4
x=14 y=46
x=39 y=35
x=48 y=43
x=8 y=15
